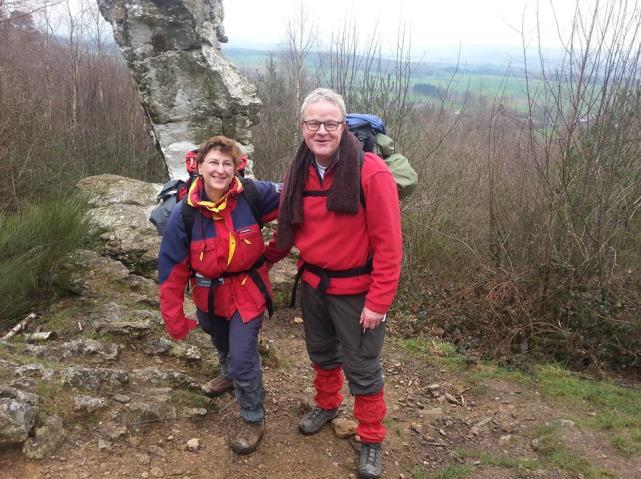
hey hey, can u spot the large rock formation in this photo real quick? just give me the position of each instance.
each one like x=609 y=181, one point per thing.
x=188 y=88
x=120 y=209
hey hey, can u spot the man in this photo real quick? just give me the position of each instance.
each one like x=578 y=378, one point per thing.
x=340 y=209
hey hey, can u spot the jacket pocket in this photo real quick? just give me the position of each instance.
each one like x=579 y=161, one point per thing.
x=249 y=248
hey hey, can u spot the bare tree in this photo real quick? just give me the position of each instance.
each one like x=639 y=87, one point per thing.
x=301 y=37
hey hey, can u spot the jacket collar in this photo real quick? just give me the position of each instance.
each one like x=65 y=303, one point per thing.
x=197 y=197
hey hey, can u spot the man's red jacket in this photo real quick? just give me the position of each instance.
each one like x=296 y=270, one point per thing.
x=341 y=241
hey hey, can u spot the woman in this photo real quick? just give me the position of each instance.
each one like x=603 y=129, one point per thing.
x=215 y=241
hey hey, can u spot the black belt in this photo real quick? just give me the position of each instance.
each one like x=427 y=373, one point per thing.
x=251 y=272
x=326 y=274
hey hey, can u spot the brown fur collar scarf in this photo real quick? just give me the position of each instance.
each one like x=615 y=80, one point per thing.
x=344 y=193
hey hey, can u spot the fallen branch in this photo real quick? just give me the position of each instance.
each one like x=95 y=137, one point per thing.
x=20 y=326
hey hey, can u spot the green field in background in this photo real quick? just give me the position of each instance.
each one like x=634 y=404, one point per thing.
x=511 y=88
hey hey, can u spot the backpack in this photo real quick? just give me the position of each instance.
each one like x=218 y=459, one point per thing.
x=370 y=131
x=174 y=191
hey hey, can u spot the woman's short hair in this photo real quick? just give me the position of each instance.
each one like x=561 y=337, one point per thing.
x=324 y=94
x=223 y=144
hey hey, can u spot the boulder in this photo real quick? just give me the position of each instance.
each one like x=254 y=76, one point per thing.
x=18 y=410
x=92 y=275
x=119 y=213
x=47 y=440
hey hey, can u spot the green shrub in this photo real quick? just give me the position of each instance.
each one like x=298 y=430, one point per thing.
x=33 y=245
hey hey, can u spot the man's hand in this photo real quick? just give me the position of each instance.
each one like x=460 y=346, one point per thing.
x=371 y=319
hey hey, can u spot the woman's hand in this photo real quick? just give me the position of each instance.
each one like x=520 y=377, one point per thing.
x=183 y=331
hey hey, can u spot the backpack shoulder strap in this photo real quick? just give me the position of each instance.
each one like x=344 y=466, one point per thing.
x=189 y=217
x=361 y=160
x=250 y=192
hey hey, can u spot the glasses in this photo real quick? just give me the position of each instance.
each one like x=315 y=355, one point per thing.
x=314 y=125
x=226 y=165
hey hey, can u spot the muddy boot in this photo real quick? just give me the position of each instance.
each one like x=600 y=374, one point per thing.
x=371 y=461
x=314 y=420
x=217 y=386
x=248 y=437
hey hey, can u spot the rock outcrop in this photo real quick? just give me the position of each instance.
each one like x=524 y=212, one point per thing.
x=120 y=213
x=188 y=88
x=18 y=410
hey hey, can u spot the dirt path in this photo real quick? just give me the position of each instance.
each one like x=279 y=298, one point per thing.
x=475 y=424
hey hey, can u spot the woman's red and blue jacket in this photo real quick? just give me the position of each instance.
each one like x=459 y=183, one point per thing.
x=227 y=241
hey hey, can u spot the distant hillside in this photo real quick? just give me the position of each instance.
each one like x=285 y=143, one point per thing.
x=483 y=71
x=475 y=59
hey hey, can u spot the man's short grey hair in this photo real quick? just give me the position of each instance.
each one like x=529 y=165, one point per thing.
x=324 y=94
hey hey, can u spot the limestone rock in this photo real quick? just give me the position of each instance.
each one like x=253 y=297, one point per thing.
x=48 y=439
x=7 y=368
x=34 y=371
x=94 y=378
x=115 y=313
x=88 y=403
x=185 y=351
x=119 y=212
x=132 y=329
x=154 y=409
x=193 y=444
x=18 y=411
x=163 y=377
x=158 y=346
x=142 y=285
x=188 y=88
x=195 y=412
x=91 y=274
x=81 y=347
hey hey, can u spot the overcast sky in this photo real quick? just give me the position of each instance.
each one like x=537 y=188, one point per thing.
x=432 y=23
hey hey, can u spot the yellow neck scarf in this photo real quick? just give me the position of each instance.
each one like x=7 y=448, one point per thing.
x=216 y=208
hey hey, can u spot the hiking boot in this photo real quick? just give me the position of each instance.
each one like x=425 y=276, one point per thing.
x=248 y=437
x=314 y=420
x=217 y=386
x=370 y=465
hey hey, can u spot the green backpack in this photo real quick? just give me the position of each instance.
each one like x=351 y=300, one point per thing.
x=404 y=175
x=370 y=131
